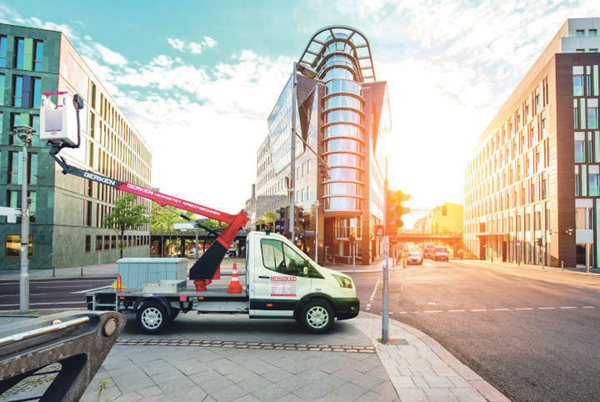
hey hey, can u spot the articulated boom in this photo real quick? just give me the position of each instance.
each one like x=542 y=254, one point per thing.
x=204 y=269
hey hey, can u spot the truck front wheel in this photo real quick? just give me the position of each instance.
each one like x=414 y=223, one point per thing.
x=152 y=317
x=317 y=316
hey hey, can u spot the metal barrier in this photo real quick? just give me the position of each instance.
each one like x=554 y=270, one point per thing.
x=72 y=344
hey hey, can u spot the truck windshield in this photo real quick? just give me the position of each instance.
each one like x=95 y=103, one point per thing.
x=283 y=259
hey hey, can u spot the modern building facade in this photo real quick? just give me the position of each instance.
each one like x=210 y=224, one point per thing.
x=532 y=191
x=343 y=116
x=67 y=211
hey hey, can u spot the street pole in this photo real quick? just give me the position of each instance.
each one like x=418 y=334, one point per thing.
x=25 y=133
x=386 y=277
x=196 y=243
x=292 y=190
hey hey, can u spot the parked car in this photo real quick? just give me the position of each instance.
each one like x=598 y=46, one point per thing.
x=428 y=250
x=440 y=253
x=415 y=258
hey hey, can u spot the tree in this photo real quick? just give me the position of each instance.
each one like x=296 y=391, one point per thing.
x=163 y=219
x=126 y=215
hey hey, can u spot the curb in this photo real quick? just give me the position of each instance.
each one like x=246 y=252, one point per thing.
x=68 y=277
x=417 y=387
x=531 y=267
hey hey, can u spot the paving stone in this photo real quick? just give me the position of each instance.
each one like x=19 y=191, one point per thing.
x=157 y=366
x=228 y=393
x=131 y=397
x=350 y=391
x=467 y=395
x=150 y=391
x=276 y=376
x=175 y=386
x=224 y=366
x=254 y=384
x=190 y=366
x=401 y=381
x=247 y=398
x=412 y=395
x=488 y=391
x=438 y=382
x=440 y=395
x=210 y=385
x=130 y=380
x=459 y=382
x=271 y=392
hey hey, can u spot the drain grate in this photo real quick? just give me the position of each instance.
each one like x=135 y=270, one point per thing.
x=248 y=345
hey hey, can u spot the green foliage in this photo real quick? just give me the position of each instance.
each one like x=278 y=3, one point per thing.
x=269 y=217
x=126 y=215
x=211 y=224
x=163 y=219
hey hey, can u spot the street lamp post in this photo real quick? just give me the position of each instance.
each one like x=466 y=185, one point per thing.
x=292 y=190
x=25 y=133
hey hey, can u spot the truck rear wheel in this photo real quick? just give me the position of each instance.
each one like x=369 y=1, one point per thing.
x=152 y=317
x=317 y=316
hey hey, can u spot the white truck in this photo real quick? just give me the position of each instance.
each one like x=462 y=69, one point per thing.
x=281 y=282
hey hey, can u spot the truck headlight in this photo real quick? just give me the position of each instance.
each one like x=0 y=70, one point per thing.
x=343 y=281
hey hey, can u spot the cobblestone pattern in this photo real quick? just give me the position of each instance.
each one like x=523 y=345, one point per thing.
x=249 y=345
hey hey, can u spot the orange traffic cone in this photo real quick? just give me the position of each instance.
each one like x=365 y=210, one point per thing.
x=234 y=286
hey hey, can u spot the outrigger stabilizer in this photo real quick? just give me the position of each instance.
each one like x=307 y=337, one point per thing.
x=204 y=270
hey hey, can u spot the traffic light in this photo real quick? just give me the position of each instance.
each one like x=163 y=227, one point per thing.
x=538 y=241
x=299 y=217
x=395 y=210
x=281 y=220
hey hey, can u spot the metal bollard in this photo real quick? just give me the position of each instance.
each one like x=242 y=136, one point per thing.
x=562 y=266
x=53 y=271
x=81 y=271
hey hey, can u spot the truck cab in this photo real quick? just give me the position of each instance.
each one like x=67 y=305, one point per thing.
x=281 y=282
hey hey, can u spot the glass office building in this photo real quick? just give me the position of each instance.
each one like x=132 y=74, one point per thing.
x=532 y=191
x=343 y=115
x=67 y=211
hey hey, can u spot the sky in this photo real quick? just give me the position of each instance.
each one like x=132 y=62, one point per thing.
x=199 y=78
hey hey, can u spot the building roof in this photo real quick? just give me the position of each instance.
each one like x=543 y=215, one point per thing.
x=362 y=49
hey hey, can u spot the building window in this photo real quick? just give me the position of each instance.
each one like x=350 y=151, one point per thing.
x=2 y=87
x=93 y=96
x=594 y=184
x=12 y=246
x=19 y=52
x=88 y=244
x=2 y=51
x=32 y=168
x=106 y=242
x=18 y=91
x=92 y=124
x=580 y=151
x=38 y=55
x=592 y=117
x=580 y=32
x=577 y=185
x=113 y=242
x=14 y=171
x=99 y=243
x=593 y=32
x=36 y=95
x=584 y=218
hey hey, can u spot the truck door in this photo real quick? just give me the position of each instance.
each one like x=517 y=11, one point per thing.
x=281 y=278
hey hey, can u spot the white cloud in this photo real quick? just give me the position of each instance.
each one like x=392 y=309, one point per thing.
x=110 y=57
x=192 y=47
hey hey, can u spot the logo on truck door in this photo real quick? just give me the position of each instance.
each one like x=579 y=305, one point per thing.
x=283 y=286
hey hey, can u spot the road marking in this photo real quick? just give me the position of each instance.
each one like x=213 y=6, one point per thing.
x=50 y=280
x=476 y=310
x=91 y=290
x=501 y=309
x=31 y=294
x=546 y=308
x=58 y=287
x=576 y=287
x=44 y=304
x=567 y=308
x=432 y=303
x=373 y=294
x=456 y=311
x=433 y=311
x=523 y=308
x=588 y=307
x=402 y=312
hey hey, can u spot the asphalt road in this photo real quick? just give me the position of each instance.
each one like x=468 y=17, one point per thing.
x=533 y=334
x=48 y=293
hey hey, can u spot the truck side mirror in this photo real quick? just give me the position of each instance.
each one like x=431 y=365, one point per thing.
x=305 y=271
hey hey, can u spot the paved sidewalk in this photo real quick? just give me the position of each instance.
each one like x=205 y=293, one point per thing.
x=233 y=358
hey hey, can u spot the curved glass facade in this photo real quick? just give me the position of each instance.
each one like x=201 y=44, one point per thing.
x=344 y=131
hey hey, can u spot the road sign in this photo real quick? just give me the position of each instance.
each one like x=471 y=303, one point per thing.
x=10 y=213
x=183 y=226
x=379 y=229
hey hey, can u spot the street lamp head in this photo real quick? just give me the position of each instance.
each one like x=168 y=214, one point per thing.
x=306 y=70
